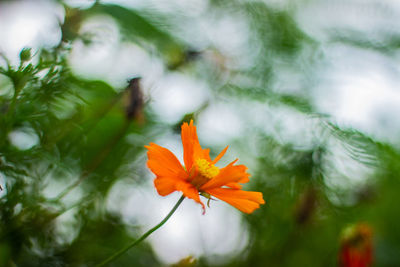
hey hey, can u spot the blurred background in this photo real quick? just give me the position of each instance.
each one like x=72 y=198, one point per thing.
x=305 y=93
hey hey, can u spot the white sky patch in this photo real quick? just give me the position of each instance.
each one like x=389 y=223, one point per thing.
x=109 y=59
x=360 y=90
x=54 y=186
x=345 y=169
x=219 y=123
x=190 y=8
x=97 y=58
x=67 y=226
x=228 y=34
x=80 y=3
x=3 y=185
x=23 y=138
x=201 y=26
x=374 y=20
x=175 y=95
x=343 y=172
x=220 y=232
x=285 y=124
x=29 y=24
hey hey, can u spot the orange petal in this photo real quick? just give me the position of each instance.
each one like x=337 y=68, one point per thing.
x=205 y=154
x=234 y=185
x=163 y=163
x=245 y=201
x=165 y=185
x=190 y=142
x=190 y=191
x=199 y=153
x=220 y=155
x=229 y=174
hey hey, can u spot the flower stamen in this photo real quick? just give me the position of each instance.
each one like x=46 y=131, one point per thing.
x=203 y=172
x=206 y=168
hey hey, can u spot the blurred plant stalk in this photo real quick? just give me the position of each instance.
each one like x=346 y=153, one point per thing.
x=134 y=111
x=144 y=236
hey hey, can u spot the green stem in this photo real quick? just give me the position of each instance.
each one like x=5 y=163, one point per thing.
x=143 y=237
x=17 y=90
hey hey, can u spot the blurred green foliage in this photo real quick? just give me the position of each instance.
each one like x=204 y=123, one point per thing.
x=81 y=129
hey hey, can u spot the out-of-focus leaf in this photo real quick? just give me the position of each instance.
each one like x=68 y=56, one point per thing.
x=140 y=29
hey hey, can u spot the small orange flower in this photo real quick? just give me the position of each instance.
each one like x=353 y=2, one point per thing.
x=200 y=176
x=356 y=246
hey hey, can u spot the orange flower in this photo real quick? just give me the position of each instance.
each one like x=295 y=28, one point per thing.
x=356 y=246
x=200 y=176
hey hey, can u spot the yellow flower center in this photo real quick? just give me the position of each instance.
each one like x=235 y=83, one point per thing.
x=205 y=172
x=206 y=168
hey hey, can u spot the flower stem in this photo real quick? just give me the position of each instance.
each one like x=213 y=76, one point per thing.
x=143 y=237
